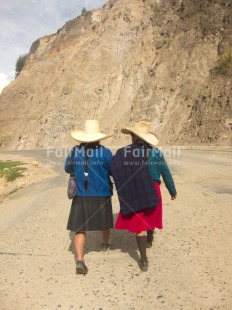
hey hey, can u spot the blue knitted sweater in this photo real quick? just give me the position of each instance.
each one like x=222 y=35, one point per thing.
x=98 y=171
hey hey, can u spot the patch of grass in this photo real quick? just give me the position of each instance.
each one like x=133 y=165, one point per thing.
x=11 y=170
x=13 y=190
x=225 y=63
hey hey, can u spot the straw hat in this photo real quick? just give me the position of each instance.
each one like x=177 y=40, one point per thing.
x=142 y=130
x=90 y=134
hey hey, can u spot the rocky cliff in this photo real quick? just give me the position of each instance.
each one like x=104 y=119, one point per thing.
x=156 y=60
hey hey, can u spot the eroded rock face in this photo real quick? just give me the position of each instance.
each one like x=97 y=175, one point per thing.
x=130 y=60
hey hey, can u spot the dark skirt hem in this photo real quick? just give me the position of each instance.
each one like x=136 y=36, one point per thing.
x=90 y=214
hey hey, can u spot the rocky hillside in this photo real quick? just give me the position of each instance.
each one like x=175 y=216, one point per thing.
x=164 y=61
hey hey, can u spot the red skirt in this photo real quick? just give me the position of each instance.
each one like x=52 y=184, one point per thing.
x=144 y=220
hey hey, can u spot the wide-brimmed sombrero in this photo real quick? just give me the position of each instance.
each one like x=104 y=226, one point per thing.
x=143 y=131
x=91 y=133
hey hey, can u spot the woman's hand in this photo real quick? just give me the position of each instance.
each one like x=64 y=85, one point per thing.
x=173 y=197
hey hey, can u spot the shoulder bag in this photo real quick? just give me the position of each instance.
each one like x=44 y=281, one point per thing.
x=71 y=192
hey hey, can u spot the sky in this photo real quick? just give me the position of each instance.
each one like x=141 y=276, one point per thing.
x=24 y=21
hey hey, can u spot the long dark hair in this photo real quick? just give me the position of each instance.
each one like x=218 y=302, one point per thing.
x=87 y=147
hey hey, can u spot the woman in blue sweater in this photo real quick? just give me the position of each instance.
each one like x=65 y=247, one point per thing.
x=91 y=208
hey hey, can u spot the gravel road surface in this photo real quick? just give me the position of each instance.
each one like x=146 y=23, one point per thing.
x=189 y=264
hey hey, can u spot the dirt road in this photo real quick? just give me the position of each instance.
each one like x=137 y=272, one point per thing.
x=189 y=264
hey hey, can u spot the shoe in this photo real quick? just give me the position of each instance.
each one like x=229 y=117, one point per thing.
x=105 y=247
x=81 y=267
x=143 y=265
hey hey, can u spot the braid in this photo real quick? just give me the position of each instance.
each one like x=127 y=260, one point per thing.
x=87 y=147
x=86 y=169
x=146 y=148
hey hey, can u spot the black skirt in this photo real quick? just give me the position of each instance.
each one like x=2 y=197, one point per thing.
x=90 y=213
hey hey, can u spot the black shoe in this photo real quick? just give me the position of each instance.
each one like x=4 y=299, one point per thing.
x=105 y=247
x=143 y=265
x=81 y=267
